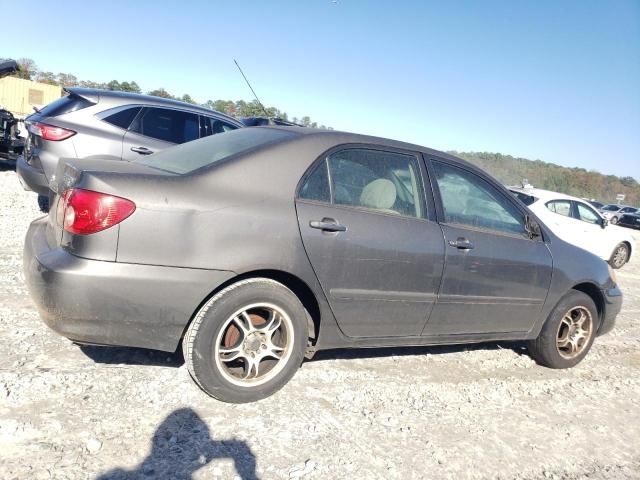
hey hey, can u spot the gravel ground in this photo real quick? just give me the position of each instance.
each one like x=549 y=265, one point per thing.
x=456 y=412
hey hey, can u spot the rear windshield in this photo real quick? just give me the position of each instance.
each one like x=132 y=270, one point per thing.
x=523 y=197
x=190 y=156
x=67 y=104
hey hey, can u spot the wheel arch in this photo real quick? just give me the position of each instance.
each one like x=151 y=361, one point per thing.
x=630 y=247
x=592 y=290
x=292 y=282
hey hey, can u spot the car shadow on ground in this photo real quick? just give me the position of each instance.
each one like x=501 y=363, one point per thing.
x=133 y=356
x=140 y=356
x=181 y=445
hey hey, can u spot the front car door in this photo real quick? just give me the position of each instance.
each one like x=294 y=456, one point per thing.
x=367 y=231
x=496 y=278
x=157 y=128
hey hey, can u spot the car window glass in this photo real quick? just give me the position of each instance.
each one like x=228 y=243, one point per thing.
x=611 y=208
x=316 y=186
x=467 y=199
x=211 y=126
x=561 y=207
x=586 y=214
x=376 y=180
x=123 y=118
x=169 y=125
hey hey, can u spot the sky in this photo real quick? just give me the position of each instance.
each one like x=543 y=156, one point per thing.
x=552 y=80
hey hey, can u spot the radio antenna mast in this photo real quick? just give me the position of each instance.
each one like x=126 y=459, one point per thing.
x=251 y=88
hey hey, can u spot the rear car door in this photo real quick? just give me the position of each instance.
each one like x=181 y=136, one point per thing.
x=590 y=225
x=371 y=239
x=157 y=128
x=495 y=278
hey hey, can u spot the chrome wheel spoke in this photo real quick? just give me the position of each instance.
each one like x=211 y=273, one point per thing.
x=261 y=337
x=574 y=332
x=233 y=353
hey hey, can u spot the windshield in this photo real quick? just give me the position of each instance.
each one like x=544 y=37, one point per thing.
x=611 y=208
x=190 y=156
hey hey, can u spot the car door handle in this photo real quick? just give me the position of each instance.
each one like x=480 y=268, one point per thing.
x=142 y=150
x=328 y=225
x=461 y=244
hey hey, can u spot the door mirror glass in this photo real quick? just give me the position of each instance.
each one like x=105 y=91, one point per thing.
x=604 y=223
x=532 y=227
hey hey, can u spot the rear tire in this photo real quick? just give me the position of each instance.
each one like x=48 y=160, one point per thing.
x=620 y=256
x=568 y=333
x=43 y=203
x=247 y=341
x=614 y=220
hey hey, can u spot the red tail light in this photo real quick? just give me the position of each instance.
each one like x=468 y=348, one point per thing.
x=49 y=132
x=84 y=211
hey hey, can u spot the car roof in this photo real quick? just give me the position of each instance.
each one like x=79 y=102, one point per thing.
x=546 y=195
x=95 y=94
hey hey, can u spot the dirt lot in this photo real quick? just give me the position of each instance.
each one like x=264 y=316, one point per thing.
x=477 y=412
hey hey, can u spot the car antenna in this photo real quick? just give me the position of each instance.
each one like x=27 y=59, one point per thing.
x=251 y=88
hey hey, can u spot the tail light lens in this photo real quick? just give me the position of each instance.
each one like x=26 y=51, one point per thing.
x=84 y=212
x=49 y=132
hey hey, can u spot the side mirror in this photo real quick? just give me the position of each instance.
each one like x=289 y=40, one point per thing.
x=604 y=223
x=531 y=227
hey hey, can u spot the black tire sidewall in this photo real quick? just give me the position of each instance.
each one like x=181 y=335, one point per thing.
x=611 y=260
x=203 y=365
x=544 y=348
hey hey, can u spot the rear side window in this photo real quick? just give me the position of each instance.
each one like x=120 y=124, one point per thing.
x=211 y=126
x=123 y=118
x=216 y=148
x=561 y=207
x=373 y=179
x=172 y=126
x=67 y=104
x=316 y=185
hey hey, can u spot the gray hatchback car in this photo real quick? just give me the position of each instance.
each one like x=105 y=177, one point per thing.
x=255 y=247
x=122 y=126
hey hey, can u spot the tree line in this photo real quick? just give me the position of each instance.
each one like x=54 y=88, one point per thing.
x=238 y=108
x=571 y=181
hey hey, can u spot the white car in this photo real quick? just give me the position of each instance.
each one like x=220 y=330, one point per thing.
x=577 y=222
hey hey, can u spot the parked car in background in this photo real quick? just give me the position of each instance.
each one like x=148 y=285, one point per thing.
x=278 y=241
x=122 y=126
x=630 y=220
x=577 y=222
x=11 y=141
x=613 y=212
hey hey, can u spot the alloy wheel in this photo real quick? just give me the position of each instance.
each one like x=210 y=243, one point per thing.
x=254 y=344
x=574 y=332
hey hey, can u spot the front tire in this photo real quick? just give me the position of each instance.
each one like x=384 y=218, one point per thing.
x=614 y=220
x=247 y=341
x=568 y=333
x=620 y=256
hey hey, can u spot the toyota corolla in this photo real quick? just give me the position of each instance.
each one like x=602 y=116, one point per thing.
x=256 y=247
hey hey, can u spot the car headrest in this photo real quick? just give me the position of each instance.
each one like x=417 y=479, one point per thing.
x=379 y=194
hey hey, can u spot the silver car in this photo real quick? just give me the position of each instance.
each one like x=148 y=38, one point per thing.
x=89 y=123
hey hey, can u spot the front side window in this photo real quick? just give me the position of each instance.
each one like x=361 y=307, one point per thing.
x=611 y=208
x=628 y=210
x=468 y=199
x=387 y=182
x=561 y=207
x=586 y=214
x=168 y=125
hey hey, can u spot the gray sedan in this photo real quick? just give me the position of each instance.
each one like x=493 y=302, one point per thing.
x=259 y=246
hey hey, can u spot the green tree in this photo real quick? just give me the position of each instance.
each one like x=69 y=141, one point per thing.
x=66 y=80
x=160 y=92
x=26 y=69
x=46 y=77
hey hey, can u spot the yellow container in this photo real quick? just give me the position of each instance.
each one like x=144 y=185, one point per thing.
x=20 y=96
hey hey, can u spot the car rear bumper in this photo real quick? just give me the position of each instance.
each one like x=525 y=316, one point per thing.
x=31 y=178
x=612 y=306
x=110 y=303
